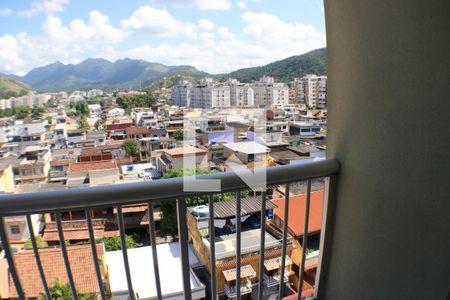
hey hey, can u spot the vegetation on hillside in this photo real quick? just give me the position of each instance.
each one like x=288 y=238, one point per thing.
x=313 y=62
x=12 y=88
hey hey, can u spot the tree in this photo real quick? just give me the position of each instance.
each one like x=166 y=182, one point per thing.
x=36 y=112
x=61 y=291
x=130 y=146
x=84 y=123
x=130 y=102
x=22 y=112
x=178 y=134
x=113 y=243
x=82 y=108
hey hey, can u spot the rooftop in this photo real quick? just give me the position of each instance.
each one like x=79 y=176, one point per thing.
x=247 y=147
x=93 y=165
x=81 y=263
x=185 y=151
x=250 y=242
x=135 y=130
x=297 y=207
x=142 y=275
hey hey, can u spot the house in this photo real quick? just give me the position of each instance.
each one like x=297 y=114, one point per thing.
x=95 y=154
x=115 y=112
x=33 y=165
x=137 y=132
x=251 y=154
x=296 y=217
x=92 y=173
x=304 y=128
x=99 y=137
x=297 y=206
x=239 y=130
x=75 y=136
x=94 y=110
x=116 y=127
x=225 y=247
x=143 y=275
x=81 y=263
x=175 y=159
x=17 y=230
x=59 y=168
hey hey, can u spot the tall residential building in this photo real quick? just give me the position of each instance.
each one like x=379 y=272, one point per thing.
x=241 y=94
x=209 y=94
x=267 y=92
x=311 y=90
x=181 y=93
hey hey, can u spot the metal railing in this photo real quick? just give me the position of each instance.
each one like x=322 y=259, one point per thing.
x=166 y=190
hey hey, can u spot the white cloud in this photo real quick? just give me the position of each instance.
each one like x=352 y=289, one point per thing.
x=44 y=6
x=159 y=22
x=200 y=4
x=4 y=12
x=58 y=42
x=153 y=21
x=263 y=38
x=242 y=4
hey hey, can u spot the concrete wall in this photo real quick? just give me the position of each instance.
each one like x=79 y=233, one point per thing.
x=389 y=120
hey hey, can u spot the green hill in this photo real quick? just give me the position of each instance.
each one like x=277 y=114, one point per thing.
x=12 y=88
x=313 y=62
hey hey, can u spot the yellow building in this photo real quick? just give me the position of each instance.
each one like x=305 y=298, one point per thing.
x=6 y=177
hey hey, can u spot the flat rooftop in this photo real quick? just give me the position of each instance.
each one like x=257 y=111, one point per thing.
x=250 y=242
x=247 y=147
x=143 y=276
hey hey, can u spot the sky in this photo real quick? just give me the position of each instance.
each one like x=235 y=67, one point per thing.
x=216 y=36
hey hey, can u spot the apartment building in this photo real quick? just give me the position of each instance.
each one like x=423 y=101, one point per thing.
x=209 y=94
x=311 y=90
x=268 y=93
x=181 y=94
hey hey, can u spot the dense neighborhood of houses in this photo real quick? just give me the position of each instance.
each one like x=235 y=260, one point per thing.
x=88 y=139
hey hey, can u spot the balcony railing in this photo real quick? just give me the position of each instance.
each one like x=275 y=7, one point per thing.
x=231 y=290
x=148 y=192
x=272 y=280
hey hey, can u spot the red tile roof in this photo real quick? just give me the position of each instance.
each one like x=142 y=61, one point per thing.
x=136 y=130
x=297 y=207
x=62 y=162
x=185 y=151
x=91 y=151
x=77 y=230
x=81 y=263
x=93 y=165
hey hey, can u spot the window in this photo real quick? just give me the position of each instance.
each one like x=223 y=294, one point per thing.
x=15 y=229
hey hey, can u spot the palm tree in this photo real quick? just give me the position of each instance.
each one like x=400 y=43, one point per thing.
x=61 y=291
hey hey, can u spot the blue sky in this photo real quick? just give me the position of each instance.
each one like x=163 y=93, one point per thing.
x=213 y=35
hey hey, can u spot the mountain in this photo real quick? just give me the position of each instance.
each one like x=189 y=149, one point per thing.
x=313 y=62
x=126 y=73
x=12 y=88
x=100 y=73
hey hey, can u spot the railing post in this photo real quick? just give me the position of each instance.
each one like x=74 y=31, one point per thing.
x=37 y=257
x=151 y=224
x=184 y=251
x=262 y=246
x=329 y=207
x=212 y=247
x=10 y=260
